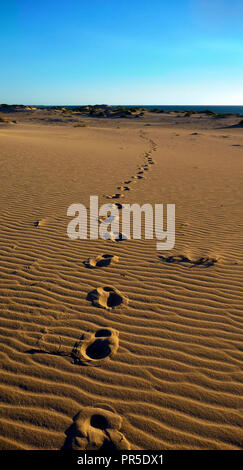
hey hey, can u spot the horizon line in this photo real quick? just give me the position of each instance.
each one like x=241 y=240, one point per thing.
x=123 y=104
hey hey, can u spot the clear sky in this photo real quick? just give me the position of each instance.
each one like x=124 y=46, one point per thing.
x=121 y=52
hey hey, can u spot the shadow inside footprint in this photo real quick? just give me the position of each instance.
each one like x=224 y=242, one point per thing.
x=99 y=422
x=103 y=332
x=114 y=299
x=99 y=349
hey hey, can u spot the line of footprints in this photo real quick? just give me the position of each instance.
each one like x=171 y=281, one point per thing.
x=99 y=427
x=125 y=186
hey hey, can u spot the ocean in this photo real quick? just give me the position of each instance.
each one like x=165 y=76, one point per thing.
x=216 y=109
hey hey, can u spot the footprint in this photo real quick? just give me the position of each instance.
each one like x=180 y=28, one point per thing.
x=101 y=261
x=96 y=346
x=124 y=188
x=118 y=205
x=107 y=297
x=40 y=223
x=115 y=196
x=114 y=205
x=138 y=177
x=203 y=261
x=96 y=428
x=116 y=236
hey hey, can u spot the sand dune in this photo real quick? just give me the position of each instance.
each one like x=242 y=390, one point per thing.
x=143 y=350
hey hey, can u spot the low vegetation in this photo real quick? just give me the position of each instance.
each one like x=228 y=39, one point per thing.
x=189 y=113
x=156 y=110
x=3 y=119
x=81 y=124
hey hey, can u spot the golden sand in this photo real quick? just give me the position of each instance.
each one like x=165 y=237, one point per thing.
x=162 y=369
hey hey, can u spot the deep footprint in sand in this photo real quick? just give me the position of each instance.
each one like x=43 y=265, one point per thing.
x=115 y=196
x=107 y=297
x=124 y=188
x=101 y=261
x=203 y=261
x=96 y=346
x=96 y=428
x=41 y=222
x=116 y=236
x=112 y=205
x=143 y=167
x=138 y=177
x=118 y=205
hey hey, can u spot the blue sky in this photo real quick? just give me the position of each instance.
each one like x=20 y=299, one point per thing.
x=121 y=52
